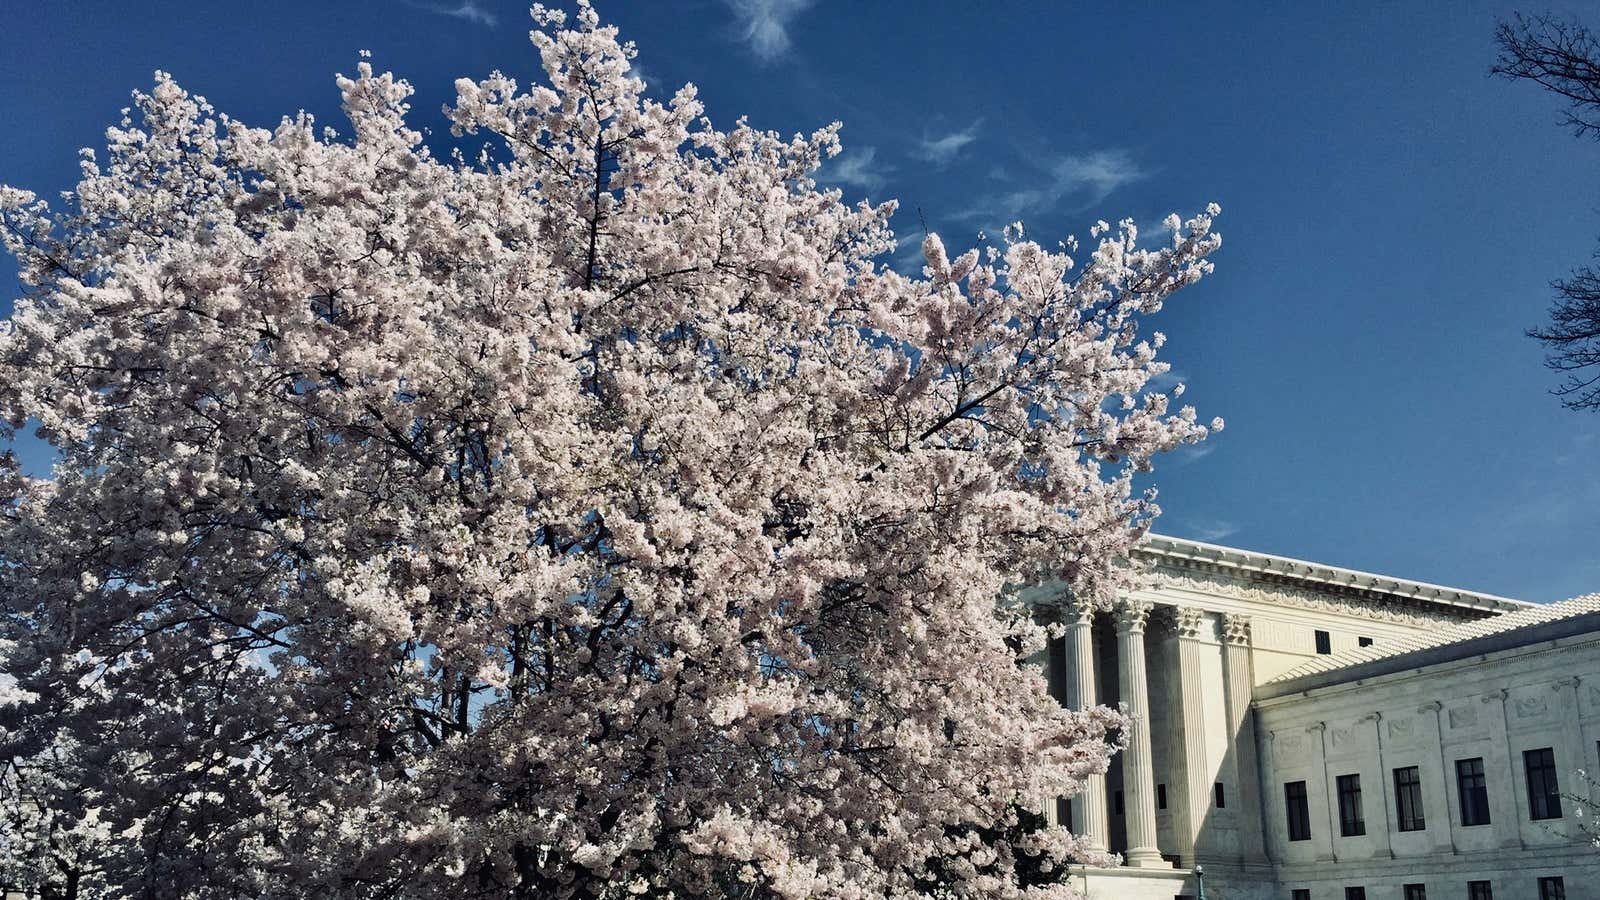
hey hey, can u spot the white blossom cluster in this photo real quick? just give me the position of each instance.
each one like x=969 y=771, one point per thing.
x=592 y=517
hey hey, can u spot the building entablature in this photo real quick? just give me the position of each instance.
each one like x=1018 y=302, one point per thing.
x=1211 y=569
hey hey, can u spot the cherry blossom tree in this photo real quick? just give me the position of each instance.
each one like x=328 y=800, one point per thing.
x=593 y=515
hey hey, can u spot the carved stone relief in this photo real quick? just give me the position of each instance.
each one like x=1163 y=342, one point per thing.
x=1529 y=707
x=1400 y=729
x=1275 y=595
x=1463 y=716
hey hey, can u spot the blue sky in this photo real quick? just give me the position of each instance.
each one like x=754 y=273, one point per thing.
x=1392 y=215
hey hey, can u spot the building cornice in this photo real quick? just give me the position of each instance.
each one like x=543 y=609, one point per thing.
x=1573 y=629
x=1181 y=557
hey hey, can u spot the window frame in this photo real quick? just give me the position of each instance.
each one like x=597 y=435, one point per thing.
x=1478 y=792
x=1544 y=787
x=1552 y=887
x=1297 y=810
x=1480 y=890
x=1352 y=821
x=1414 y=891
x=1323 y=640
x=1410 y=814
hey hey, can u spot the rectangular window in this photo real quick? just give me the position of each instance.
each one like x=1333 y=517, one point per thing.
x=1294 y=801
x=1161 y=796
x=1351 y=822
x=1473 y=791
x=1216 y=791
x=1479 y=890
x=1300 y=894
x=1363 y=642
x=1415 y=892
x=1552 y=889
x=1408 y=798
x=1118 y=802
x=1544 y=796
x=1355 y=893
x=1324 y=642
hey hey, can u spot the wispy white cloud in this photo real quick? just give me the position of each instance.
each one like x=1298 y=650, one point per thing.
x=941 y=150
x=1082 y=179
x=764 y=24
x=858 y=168
x=467 y=11
x=1167 y=380
x=1210 y=529
x=651 y=82
x=908 y=258
x=1097 y=174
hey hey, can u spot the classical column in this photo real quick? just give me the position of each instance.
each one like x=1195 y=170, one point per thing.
x=1190 y=626
x=1088 y=808
x=1240 y=679
x=1055 y=674
x=1577 y=750
x=1277 y=816
x=1437 y=783
x=1323 y=838
x=1138 y=776
x=1503 y=803
x=1386 y=831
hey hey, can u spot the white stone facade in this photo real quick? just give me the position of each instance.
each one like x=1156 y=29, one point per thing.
x=1245 y=672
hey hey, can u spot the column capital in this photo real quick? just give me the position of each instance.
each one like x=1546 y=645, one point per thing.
x=1077 y=612
x=1188 y=622
x=1132 y=615
x=1236 y=629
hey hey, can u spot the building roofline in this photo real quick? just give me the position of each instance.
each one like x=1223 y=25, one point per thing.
x=1534 y=633
x=1185 y=553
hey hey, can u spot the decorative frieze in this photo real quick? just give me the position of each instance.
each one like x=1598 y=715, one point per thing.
x=1302 y=598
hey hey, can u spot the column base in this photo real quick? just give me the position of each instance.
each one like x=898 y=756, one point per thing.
x=1145 y=858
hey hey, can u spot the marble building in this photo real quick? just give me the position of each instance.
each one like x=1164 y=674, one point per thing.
x=1307 y=732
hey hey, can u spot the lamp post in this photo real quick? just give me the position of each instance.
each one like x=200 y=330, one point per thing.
x=1200 y=881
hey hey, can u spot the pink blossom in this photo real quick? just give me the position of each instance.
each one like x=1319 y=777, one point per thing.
x=596 y=516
